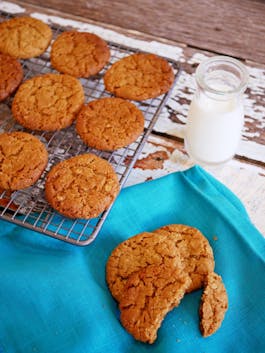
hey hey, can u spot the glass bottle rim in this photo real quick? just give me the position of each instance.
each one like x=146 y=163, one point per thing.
x=225 y=60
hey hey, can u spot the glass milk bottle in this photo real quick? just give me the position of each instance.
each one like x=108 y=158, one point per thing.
x=216 y=114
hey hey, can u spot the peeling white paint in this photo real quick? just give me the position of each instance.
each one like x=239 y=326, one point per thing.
x=184 y=90
x=252 y=150
x=178 y=131
x=177 y=162
x=172 y=52
x=11 y=7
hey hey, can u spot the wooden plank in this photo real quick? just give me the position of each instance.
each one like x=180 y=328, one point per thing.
x=232 y=27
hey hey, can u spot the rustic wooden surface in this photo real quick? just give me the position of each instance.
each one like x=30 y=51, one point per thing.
x=164 y=153
x=233 y=27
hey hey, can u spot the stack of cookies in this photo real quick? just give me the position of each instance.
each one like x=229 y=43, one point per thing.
x=149 y=274
x=85 y=185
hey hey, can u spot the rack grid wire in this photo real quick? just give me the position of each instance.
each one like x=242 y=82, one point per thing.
x=28 y=207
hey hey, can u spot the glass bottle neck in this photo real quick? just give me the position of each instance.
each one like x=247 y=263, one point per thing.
x=221 y=78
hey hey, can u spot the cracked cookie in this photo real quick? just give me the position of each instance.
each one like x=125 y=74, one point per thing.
x=23 y=158
x=159 y=247
x=214 y=303
x=48 y=102
x=134 y=254
x=82 y=186
x=139 y=77
x=24 y=37
x=11 y=75
x=79 y=54
x=194 y=250
x=149 y=294
x=109 y=123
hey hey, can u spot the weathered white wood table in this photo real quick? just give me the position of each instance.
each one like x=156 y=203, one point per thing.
x=164 y=152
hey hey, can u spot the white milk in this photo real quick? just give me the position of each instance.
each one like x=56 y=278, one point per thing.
x=216 y=116
x=213 y=127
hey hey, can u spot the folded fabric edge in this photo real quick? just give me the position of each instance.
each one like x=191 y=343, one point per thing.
x=236 y=208
x=234 y=200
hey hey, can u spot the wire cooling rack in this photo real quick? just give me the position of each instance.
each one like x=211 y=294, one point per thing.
x=28 y=207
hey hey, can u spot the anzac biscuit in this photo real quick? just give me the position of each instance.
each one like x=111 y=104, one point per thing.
x=48 y=102
x=134 y=254
x=109 y=123
x=158 y=248
x=24 y=37
x=22 y=160
x=79 y=54
x=11 y=75
x=139 y=77
x=195 y=251
x=82 y=186
x=214 y=303
x=148 y=296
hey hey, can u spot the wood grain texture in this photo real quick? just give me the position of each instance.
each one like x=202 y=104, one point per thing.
x=232 y=27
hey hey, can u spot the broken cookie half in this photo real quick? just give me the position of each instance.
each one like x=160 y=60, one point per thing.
x=148 y=296
x=214 y=304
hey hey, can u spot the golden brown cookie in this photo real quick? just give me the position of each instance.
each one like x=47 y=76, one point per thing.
x=160 y=247
x=48 y=102
x=214 y=304
x=134 y=254
x=194 y=249
x=109 y=123
x=24 y=37
x=149 y=294
x=139 y=77
x=79 y=54
x=23 y=158
x=11 y=75
x=82 y=186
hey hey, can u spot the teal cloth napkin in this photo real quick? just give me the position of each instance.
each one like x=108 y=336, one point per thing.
x=54 y=298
